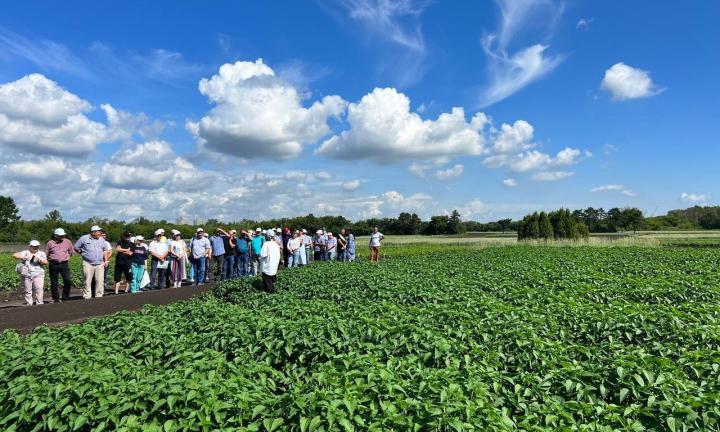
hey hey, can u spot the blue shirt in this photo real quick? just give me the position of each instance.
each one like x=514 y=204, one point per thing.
x=199 y=246
x=91 y=249
x=218 y=246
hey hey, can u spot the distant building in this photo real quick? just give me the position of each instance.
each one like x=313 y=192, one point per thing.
x=199 y=221
x=182 y=220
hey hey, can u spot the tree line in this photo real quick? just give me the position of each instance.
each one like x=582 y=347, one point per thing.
x=561 y=223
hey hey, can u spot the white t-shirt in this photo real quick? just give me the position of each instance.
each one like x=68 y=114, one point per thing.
x=375 y=238
x=34 y=268
x=178 y=247
x=158 y=247
x=294 y=244
x=270 y=254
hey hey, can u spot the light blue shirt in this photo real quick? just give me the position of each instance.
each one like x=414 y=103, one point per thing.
x=91 y=249
x=198 y=247
x=218 y=247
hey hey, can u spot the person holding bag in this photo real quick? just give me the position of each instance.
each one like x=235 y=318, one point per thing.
x=32 y=272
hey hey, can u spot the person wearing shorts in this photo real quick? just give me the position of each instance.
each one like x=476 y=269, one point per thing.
x=375 y=242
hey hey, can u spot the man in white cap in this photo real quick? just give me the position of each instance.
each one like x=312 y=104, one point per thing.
x=270 y=255
x=320 y=245
x=94 y=251
x=158 y=262
x=58 y=251
x=33 y=274
x=200 y=251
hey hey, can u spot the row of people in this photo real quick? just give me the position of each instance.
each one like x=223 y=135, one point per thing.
x=173 y=261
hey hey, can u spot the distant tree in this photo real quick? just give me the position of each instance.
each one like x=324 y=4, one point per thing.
x=454 y=223
x=504 y=224
x=9 y=217
x=633 y=218
x=54 y=216
x=545 y=227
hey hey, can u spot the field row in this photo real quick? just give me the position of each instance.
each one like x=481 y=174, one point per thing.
x=491 y=339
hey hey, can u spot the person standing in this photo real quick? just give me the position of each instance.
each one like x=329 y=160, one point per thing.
x=342 y=245
x=178 y=259
x=229 y=243
x=331 y=247
x=159 y=252
x=376 y=239
x=218 y=253
x=257 y=243
x=270 y=255
x=123 y=266
x=351 y=246
x=242 y=253
x=94 y=251
x=201 y=250
x=138 y=260
x=285 y=238
x=58 y=251
x=32 y=272
x=306 y=247
x=293 y=249
x=320 y=244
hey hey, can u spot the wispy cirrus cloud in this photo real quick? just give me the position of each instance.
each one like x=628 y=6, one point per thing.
x=47 y=55
x=511 y=70
x=398 y=24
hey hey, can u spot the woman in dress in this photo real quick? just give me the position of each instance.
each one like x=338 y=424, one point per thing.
x=178 y=259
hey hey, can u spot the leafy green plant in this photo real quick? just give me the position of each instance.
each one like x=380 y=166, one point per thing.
x=495 y=339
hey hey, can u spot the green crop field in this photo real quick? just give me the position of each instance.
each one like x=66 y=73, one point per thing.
x=451 y=338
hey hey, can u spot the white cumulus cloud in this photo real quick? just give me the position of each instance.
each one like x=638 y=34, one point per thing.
x=258 y=115
x=693 y=198
x=383 y=129
x=552 y=175
x=38 y=116
x=455 y=171
x=510 y=182
x=626 y=82
x=351 y=185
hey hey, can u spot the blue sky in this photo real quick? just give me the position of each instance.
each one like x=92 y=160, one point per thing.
x=357 y=107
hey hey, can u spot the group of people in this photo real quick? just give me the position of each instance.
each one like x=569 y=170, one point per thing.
x=172 y=261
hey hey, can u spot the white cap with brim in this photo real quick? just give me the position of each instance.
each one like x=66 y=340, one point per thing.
x=199 y=230
x=139 y=238
x=59 y=232
x=258 y=229
x=175 y=232
x=304 y=231
x=34 y=243
x=319 y=232
x=95 y=228
x=270 y=232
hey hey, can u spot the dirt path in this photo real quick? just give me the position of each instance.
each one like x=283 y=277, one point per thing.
x=25 y=318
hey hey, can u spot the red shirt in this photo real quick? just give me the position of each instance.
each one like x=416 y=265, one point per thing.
x=59 y=251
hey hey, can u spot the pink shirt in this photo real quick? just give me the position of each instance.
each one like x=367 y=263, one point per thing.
x=61 y=251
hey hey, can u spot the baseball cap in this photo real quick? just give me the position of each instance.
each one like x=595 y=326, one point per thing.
x=199 y=230
x=159 y=232
x=270 y=232
x=304 y=231
x=258 y=229
x=34 y=243
x=319 y=232
x=59 y=232
x=139 y=238
x=175 y=232
x=95 y=228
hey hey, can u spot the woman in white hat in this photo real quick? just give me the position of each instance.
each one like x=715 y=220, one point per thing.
x=32 y=272
x=178 y=259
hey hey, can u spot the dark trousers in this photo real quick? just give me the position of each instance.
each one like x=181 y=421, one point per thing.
x=318 y=256
x=57 y=269
x=269 y=282
x=156 y=274
x=217 y=263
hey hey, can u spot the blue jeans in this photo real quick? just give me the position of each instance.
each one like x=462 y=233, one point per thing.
x=228 y=269
x=294 y=259
x=199 y=269
x=242 y=264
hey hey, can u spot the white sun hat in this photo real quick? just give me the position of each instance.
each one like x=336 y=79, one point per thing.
x=59 y=232
x=139 y=238
x=95 y=228
x=34 y=243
